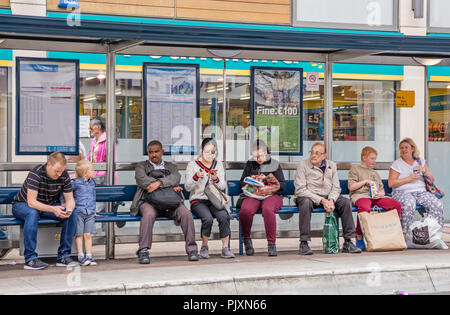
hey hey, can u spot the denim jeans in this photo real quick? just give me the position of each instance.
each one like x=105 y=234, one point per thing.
x=31 y=216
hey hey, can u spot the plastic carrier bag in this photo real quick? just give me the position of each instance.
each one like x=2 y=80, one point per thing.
x=426 y=233
x=330 y=238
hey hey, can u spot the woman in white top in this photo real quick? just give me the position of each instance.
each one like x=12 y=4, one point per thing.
x=198 y=173
x=406 y=177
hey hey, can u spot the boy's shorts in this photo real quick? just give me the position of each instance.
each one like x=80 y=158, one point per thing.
x=85 y=224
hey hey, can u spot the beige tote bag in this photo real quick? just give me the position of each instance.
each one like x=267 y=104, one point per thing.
x=382 y=231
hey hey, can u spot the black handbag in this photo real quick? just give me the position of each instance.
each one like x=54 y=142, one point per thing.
x=163 y=198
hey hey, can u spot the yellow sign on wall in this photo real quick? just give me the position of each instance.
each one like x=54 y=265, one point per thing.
x=405 y=98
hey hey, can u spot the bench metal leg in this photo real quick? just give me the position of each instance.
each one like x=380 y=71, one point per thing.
x=241 y=240
x=110 y=237
x=110 y=240
x=337 y=221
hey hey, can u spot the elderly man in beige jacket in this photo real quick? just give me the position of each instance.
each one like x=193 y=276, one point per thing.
x=317 y=186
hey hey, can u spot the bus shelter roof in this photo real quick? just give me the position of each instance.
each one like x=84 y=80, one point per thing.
x=131 y=38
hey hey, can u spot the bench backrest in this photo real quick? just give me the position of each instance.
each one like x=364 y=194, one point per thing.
x=104 y=193
x=126 y=192
x=7 y=194
x=235 y=190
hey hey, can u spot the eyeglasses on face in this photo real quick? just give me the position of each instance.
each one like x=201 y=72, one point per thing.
x=316 y=153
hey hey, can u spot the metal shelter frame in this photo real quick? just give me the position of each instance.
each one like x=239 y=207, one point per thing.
x=127 y=38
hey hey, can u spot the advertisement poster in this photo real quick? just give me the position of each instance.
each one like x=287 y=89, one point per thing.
x=47 y=106
x=171 y=98
x=277 y=108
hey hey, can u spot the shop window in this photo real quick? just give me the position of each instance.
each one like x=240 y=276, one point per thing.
x=439 y=136
x=211 y=93
x=128 y=100
x=238 y=105
x=354 y=113
x=439 y=112
x=363 y=115
x=129 y=105
x=238 y=96
x=313 y=114
x=92 y=94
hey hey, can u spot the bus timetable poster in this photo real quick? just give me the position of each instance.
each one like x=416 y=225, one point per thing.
x=47 y=103
x=277 y=108
x=171 y=98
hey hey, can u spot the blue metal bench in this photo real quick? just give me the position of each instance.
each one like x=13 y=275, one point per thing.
x=117 y=194
x=234 y=191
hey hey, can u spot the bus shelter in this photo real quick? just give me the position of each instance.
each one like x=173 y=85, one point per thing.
x=129 y=38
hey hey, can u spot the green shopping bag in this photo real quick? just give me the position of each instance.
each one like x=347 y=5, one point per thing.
x=330 y=238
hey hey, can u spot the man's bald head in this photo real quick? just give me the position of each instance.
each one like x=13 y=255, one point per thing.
x=319 y=145
x=318 y=153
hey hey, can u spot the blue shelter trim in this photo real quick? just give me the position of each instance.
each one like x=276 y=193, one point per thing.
x=14 y=26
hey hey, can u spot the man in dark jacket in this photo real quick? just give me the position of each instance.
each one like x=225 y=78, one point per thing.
x=148 y=184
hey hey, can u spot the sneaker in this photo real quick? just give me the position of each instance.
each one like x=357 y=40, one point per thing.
x=360 y=244
x=226 y=253
x=272 y=250
x=249 y=250
x=35 y=264
x=204 y=252
x=144 y=256
x=66 y=262
x=91 y=260
x=305 y=249
x=193 y=256
x=350 y=248
x=84 y=261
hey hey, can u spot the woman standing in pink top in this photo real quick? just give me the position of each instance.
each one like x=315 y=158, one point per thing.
x=97 y=154
x=97 y=151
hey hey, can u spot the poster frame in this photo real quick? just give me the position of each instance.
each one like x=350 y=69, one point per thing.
x=300 y=113
x=76 y=62
x=145 y=67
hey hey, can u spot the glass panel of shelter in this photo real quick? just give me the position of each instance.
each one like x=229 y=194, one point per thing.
x=439 y=137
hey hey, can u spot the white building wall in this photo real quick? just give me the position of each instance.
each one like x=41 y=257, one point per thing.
x=412 y=120
x=29 y=7
x=35 y=8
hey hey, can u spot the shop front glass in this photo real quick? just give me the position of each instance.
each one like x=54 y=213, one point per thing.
x=363 y=115
x=129 y=113
x=129 y=109
x=439 y=138
x=237 y=91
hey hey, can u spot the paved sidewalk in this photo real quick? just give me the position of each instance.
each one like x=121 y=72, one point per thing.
x=412 y=271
